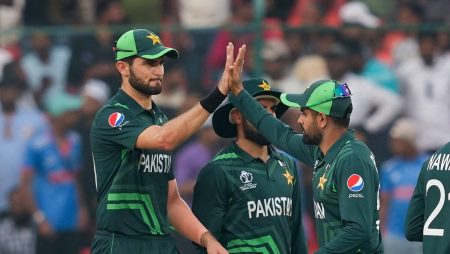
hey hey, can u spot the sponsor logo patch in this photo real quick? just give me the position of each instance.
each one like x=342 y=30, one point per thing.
x=116 y=119
x=355 y=183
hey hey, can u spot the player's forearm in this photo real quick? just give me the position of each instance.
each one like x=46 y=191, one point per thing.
x=174 y=132
x=184 y=221
x=182 y=127
x=274 y=130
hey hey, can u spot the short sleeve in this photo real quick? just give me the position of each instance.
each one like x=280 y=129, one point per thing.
x=116 y=125
x=357 y=183
x=210 y=198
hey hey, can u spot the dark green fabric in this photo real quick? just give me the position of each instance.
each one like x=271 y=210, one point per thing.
x=344 y=224
x=259 y=88
x=251 y=206
x=132 y=183
x=431 y=196
x=111 y=243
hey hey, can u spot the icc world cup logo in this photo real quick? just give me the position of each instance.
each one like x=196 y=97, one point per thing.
x=246 y=177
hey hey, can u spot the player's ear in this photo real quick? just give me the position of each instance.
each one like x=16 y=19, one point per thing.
x=123 y=68
x=236 y=116
x=321 y=119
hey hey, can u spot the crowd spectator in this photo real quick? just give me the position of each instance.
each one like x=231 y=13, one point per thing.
x=17 y=229
x=46 y=66
x=424 y=86
x=92 y=58
x=50 y=179
x=398 y=178
x=17 y=125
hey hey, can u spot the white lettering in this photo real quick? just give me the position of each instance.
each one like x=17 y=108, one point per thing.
x=445 y=164
x=278 y=206
x=439 y=162
x=251 y=207
x=319 y=210
x=156 y=163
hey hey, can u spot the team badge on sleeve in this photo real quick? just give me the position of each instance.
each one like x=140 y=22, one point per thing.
x=355 y=183
x=116 y=119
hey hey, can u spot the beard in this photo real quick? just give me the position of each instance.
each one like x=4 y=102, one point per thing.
x=253 y=135
x=143 y=87
x=313 y=138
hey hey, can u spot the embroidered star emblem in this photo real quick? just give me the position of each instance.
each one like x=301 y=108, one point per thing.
x=154 y=38
x=322 y=181
x=289 y=177
x=265 y=86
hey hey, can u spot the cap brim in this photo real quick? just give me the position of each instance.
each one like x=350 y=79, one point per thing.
x=293 y=100
x=159 y=51
x=221 y=117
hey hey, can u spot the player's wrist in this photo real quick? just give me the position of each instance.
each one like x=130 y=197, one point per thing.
x=211 y=102
x=205 y=238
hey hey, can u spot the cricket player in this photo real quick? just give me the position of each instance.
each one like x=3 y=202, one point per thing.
x=248 y=195
x=427 y=219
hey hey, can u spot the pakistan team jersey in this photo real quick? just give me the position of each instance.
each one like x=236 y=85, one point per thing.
x=132 y=183
x=345 y=183
x=251 y=206
x=427 y=219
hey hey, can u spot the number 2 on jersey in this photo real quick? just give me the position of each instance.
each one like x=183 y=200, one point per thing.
x=426 y=229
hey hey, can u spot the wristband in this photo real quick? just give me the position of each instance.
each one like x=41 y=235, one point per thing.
x=213 y=100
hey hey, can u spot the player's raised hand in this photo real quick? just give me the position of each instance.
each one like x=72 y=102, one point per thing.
x=223 y=83
x=235 y=72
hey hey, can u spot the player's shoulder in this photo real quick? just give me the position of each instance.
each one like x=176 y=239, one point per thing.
x=444 y=149
x=356 y=151
x=113 y=113
x=226 y=156
x=222 y=161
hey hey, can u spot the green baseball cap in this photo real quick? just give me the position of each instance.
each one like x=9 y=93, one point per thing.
x=258 y=88
x=142 y=43
x=325 y=96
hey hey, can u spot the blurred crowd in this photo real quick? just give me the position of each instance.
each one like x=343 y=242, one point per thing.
x=57 y=69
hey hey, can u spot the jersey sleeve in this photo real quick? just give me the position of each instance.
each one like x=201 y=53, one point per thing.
x=414 y=221
x=117 y=125
x=210 y=198
x=274 y=130
x=298 y=244
x=357 y=184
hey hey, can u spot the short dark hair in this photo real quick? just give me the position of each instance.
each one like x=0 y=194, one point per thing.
x=129 y=60
x=341 y=122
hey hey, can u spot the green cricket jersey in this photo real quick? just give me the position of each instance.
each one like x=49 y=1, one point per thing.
x=427 y=219
x=345 y=183
x=251 y=206
x=132 y=184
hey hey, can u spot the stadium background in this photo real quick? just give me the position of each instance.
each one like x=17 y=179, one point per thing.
x=396 y=52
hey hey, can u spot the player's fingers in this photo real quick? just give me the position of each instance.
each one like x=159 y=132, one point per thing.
x=230 y=54
x=239 y=62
